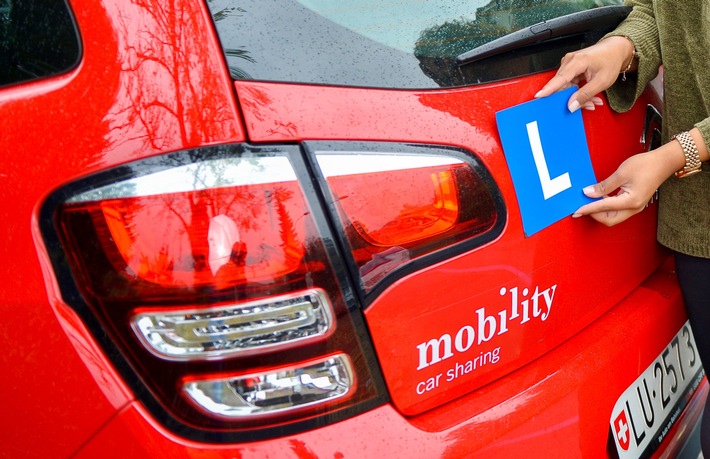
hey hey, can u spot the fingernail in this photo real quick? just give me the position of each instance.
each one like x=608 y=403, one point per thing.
x=537 y=94
x=590 y=106
x=588 y=190
x=576 y=215
x=573 y=106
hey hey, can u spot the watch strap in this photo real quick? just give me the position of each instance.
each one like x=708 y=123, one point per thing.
x=690 y=150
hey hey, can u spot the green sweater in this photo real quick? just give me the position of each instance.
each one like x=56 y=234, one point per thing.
x=676 y=34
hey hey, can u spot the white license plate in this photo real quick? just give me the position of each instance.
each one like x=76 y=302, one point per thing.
x=649 y=407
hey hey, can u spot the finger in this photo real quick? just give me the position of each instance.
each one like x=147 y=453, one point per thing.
x=606 y=204
x=581 y=98
x=587 y=93
x=604 y=187
x=613 y=217
x=567 y=75
x=594 y=208
x=556 y=83
x=624 y=203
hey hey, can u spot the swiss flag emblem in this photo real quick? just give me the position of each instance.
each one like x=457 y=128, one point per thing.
x=621 y=431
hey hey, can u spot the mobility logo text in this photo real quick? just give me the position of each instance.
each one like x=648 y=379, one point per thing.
x=524 y=306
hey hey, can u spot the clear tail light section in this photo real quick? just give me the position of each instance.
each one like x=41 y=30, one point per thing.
x=404 y=205
x=206 y=277
x=280 y=390
x=222 y=282
x=236 y=329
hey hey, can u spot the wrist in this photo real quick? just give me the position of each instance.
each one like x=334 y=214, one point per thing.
x=631 y=56
x=691 y=152
x=683 y=154
x=624 y=52
x=692 y=159
x=669 y=158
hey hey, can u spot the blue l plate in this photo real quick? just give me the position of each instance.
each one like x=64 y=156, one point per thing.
x=546 y=149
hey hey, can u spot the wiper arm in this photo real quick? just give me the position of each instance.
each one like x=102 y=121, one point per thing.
x=594 y=20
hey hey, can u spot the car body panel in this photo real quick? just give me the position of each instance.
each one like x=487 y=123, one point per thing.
x=540 y=409
x=470 y=291
x=100 y=114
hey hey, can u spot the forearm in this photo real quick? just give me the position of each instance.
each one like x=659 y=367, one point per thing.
x=639 y=28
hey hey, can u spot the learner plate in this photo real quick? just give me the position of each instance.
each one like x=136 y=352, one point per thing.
x=647 y=409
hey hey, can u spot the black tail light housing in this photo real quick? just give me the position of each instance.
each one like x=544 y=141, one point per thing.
x=210 y=279
x=226 y=283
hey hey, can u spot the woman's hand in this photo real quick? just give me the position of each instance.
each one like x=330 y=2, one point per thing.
x=636 y=180
x=599 y=65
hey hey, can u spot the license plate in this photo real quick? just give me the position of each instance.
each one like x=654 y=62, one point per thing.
x=649 y=407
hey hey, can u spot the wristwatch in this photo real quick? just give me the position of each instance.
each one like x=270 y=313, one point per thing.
x=690 y=150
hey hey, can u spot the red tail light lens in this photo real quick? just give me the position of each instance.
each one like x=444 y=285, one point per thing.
x=395 y=200
x=208 y=282
x=225 y=241
x=399 y=204
x=215 y=223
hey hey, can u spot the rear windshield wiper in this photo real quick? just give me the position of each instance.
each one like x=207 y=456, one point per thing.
x=595 y=20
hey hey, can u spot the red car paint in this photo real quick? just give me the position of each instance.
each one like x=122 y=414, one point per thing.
x=152 y=80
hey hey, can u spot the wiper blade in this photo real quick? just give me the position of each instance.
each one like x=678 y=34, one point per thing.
x=594 y=20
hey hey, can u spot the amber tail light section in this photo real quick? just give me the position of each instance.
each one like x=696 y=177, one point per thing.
x=204 y=276
x=401 y=206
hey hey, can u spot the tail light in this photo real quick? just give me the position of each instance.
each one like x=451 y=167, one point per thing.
x=398 y=204
x=213 y=280
x=278 y=390
x=207 y=271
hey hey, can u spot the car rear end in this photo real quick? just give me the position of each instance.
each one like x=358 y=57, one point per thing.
x=288 y=229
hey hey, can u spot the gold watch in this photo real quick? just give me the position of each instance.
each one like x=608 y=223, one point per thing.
x=690 y=150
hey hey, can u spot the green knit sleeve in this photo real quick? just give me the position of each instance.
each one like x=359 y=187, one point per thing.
x=641 y=28
x=704 y=128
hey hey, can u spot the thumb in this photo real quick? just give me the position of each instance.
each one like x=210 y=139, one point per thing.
x=592 y=191
x=584 y=97
x=601 y=189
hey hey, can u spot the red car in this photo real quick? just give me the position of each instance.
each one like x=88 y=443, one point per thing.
x=289 y=229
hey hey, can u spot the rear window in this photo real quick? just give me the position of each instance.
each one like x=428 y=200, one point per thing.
x=38 y=38
x=391 y=43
